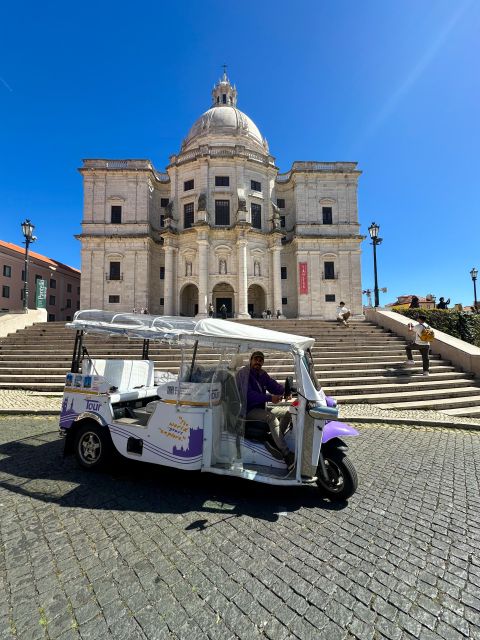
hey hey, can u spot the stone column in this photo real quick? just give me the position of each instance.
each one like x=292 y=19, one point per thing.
x=202 y=278
x=168 y=286
x=276 y=280
x=242 y=280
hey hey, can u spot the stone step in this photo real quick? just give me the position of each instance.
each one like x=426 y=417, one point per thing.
x=403 y=399
x=466 y=412
x=440 y=404
x=418 y=383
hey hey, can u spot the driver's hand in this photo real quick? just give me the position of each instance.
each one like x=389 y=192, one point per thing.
x=288 y=397
x=276 y=399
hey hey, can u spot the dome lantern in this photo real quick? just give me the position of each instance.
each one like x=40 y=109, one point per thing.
x=224 y=94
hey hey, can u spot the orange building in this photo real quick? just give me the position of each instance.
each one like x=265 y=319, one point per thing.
x=63 y=282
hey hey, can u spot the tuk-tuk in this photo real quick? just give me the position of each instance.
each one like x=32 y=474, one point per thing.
x=192 y=416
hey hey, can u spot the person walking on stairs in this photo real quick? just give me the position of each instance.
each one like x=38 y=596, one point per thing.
x=421 y=341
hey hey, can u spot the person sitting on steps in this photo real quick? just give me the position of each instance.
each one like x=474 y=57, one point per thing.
x=343 y=314
x=256 y=389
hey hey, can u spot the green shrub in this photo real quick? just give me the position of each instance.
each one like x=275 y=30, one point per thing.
x=458 y=324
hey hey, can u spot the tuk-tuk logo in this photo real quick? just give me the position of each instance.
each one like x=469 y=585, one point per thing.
x=93 y=405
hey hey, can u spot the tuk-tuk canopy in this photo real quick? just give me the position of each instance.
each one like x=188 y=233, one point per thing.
x=186 y=331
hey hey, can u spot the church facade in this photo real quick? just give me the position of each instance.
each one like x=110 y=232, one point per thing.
x=221 y=225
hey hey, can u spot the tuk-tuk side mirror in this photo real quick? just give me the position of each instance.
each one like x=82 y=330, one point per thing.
x=289 y=388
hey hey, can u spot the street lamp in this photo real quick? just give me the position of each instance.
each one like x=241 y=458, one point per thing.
x=474 y=274
x=27 y=230
x=373 y=230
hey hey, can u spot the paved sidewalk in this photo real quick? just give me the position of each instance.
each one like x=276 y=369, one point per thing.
x=20 y=402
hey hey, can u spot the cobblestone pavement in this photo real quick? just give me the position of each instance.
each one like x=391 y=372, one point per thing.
x=144 y=552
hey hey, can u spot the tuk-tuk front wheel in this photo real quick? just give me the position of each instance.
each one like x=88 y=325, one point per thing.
x=91 y=446
x=342 y=477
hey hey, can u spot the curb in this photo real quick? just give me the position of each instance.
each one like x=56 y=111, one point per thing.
x=413 y=422
x=29 y=412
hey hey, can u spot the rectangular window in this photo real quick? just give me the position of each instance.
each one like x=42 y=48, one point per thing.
x=51 y=300
x=282 y=222
x=283 y=272
x=78 y=305
x=113 y=299
x=256 y=215
x=7 y=271
x=116 y=214
x=255 y=186
x=284 y=301
x=69 y=288
x=222 y=181
x=162 y=273
x=164 y=202
x=188 y=185
x=329 y=270
x=162 y=301
x=115 y=271
x=68 y=318
x=281 y=203
x=327 y=215
x=5 y=291
x=69 y=303
x=222 y=213
x=162 y=220
x=53 y=283
x=51 y=317
x=187 y=215
x=329 y=297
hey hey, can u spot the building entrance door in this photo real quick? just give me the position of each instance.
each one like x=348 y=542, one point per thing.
x=228 y=303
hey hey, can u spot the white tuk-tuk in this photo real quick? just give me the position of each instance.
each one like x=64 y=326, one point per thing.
x=192 y=417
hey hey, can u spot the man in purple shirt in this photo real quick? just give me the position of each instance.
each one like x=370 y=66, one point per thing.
x=258 y=388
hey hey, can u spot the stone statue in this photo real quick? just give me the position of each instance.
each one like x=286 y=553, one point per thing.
x=202 y=202
x=169 y=210
x=242 y=204
x=275 y=216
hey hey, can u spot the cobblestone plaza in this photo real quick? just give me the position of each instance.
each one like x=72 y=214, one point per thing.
x=141 y=552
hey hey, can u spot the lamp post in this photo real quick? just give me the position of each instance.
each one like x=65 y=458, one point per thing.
x=27 y=230
x=373 y=230
x=474 y=274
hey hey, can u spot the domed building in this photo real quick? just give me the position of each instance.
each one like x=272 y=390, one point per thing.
x=221 y=226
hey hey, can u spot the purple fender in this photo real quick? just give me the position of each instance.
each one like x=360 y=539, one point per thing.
x=334 y=429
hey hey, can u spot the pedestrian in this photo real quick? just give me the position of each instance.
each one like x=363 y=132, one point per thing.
x=210 y=310
x=264 y=314
x=256 y=389
x=223 y=311
x=142 y=310
x=278 y=314
x=134 y=310
x=414 y=304
x=269 y=314
x=420 y=342
x=442 y=303
x=145 y=310
x=343 y=314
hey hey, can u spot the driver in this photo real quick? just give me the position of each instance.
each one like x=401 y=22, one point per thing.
x=259 y=388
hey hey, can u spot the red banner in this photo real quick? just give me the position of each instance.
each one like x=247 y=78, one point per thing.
x=303 y=275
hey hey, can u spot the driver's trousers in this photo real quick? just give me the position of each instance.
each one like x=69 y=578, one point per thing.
x=278 y=420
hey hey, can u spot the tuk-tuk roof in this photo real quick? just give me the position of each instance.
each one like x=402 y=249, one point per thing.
x=185 y=331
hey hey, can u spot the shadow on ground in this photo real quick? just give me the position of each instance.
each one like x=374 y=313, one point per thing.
x=35 y=467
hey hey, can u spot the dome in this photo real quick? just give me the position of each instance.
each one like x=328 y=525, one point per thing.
x=224 y=120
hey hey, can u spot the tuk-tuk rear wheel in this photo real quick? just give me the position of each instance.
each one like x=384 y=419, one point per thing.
x=342 y=476
x=91 y=446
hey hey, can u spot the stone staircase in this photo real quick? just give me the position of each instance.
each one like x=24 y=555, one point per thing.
x=358 y=364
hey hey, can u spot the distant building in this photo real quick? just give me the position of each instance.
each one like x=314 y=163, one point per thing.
x=63 y=282
x=428 y=302
x=221 y=226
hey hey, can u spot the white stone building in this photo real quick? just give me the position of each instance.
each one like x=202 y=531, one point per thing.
x=221 y=226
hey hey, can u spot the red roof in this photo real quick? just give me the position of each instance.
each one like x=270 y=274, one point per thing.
x=55 y=263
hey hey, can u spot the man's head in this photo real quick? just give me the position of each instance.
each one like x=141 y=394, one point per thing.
x=442 y=298
x=342 y=304
x=422 y=318
x=256 y=360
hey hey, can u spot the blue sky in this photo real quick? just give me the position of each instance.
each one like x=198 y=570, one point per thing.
x=391 y=85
